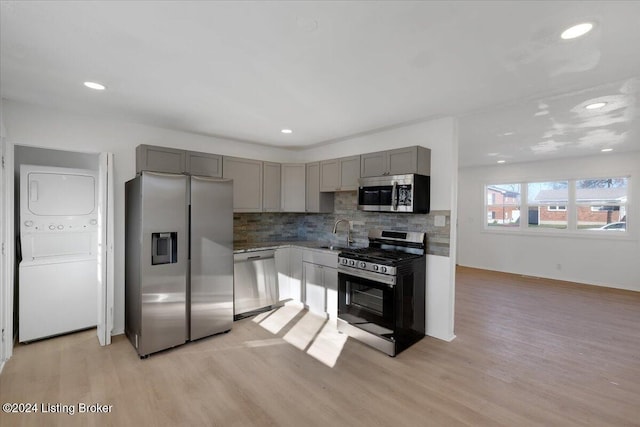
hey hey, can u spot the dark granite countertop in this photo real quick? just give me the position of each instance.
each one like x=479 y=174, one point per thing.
x=256 y=246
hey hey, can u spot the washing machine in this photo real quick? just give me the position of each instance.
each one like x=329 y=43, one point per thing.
x=58 y=273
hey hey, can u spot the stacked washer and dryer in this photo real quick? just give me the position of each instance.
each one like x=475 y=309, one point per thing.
x=58 y=274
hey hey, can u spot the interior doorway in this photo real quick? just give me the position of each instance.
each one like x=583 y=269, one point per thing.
x=98 y=165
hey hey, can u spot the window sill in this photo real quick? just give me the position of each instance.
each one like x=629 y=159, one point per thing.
x=584 y=234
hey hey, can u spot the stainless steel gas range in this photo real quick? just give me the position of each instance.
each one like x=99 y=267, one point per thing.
x=381 y=290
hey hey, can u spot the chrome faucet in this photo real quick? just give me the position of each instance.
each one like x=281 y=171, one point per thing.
x=335 y=229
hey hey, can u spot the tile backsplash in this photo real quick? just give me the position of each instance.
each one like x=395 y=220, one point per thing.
x=265 y=227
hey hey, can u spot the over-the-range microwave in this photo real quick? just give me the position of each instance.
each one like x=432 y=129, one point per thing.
x=394 y=193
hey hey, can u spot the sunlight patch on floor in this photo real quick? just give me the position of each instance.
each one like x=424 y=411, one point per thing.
x=303 y=332
x=260 y=317
x=328 y=345
x=263 y=343
x=280 y=317
x=312 y=333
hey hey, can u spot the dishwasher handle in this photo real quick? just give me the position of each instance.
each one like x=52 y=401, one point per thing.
x=254 y=256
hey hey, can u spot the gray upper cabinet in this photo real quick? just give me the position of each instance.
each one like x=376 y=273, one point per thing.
x=271 y=187
x=204 y=164
x=247 y=183
x=293 y=188
x=160 y=159
x=315 y=200
x=330 y=175
x=373 y=164
x=340 y=174
x=173 y=160
x=349 y=173
x=400 y=161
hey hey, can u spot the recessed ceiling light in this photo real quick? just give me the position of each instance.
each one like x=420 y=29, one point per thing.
x=95 y=86
x=286 y=131
x=606 y=150
x=501 y=161
x=576 y=31
x=595 y=105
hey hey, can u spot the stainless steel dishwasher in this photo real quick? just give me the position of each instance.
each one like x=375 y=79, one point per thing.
x=255 y=283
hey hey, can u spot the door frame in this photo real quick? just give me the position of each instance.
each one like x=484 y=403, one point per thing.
x=7 y=256
x=105 y=242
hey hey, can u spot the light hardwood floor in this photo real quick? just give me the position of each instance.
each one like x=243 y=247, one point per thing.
x=528 y=352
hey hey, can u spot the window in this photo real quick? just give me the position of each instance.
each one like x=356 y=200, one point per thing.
x=543 y=199
x=503 y=205
x=574 y=205
x=602 y=204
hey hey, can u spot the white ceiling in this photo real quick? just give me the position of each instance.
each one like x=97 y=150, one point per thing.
x=329 y=70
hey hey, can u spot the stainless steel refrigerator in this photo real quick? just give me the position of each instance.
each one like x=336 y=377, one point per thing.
x=178 y=259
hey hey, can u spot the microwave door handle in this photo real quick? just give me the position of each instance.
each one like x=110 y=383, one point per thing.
x=394 y=197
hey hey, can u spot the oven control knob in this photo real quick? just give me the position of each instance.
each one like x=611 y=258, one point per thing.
x=383 y=269
x=52 y=227
x=376 y=267
x=362 y=264
x=352 y=262
x=28 y=223
x=60 y=227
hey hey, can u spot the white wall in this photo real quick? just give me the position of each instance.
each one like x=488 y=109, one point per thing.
x=605 y=260
x=30 y=125
x=441 y=137
x=35 y=126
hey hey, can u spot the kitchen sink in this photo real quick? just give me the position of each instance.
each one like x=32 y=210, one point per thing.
x=333 y=248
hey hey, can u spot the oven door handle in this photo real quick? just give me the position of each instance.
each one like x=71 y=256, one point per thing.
x=381 y=280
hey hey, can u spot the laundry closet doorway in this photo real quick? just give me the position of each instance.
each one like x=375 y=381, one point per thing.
x=75 y=225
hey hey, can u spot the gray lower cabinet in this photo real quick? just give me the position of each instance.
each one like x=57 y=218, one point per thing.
x=247 y=183
x=315 y=294
x=340 y=174
x=400 y=161
x=160 y=159
x=271 y=193
x=204 y=164
x=330 y=277
x=283 y=269
x=321 y=289
x=315 y=200
x=320 y=281
x=293 y=187
x=295 y=274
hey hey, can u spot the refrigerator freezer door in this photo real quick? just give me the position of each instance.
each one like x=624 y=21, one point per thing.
x=211 y=256
x=163 y=286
